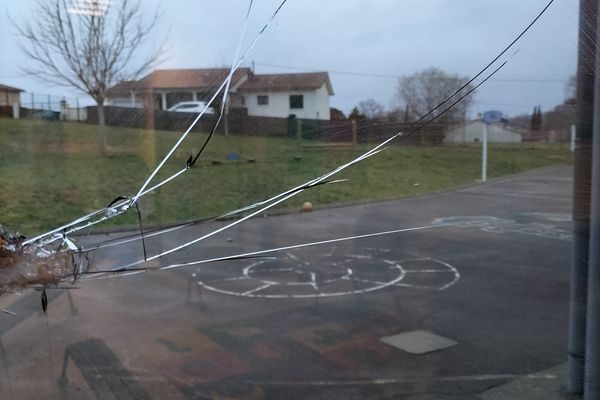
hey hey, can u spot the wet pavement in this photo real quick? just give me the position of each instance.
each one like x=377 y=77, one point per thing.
x=491 y=277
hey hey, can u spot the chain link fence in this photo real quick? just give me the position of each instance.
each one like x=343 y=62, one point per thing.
x=43 y=106
x=51 y=107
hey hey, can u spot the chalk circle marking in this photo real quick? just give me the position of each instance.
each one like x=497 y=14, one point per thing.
x=303 y=275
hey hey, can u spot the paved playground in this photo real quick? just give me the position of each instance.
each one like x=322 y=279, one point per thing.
x=475 y=299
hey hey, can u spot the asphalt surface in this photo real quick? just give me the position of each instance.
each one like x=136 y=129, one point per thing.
x=491 y=275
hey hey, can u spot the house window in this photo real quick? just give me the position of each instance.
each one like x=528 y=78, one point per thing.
x=296 y=101
x=243 y=100
x=263 y=100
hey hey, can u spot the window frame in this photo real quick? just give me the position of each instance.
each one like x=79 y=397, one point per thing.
x=293 y=105
x=264 y=97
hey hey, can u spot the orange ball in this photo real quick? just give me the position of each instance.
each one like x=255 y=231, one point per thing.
x=307 y=206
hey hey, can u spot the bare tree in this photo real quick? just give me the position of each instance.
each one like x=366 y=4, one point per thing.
x=90 y=45
x=423 y=91
x=370 y=108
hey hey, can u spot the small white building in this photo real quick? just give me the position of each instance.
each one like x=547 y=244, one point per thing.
x=9 y=95
x=280 y=95
x=304 y=95
x=472 y=132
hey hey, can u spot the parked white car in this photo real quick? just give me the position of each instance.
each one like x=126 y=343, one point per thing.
x=191 y=107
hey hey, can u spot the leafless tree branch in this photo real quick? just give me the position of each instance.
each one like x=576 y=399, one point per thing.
x=423 y=91
x=92 y=52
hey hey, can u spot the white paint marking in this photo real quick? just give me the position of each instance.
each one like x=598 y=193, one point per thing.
x=257 y=289
x=237 y=278
x=250 y=272
x=426 y=271
x=395 y=381
x=503 y=225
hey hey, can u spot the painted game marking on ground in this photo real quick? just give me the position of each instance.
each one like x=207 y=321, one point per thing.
x=292 y=276
x=491 y=224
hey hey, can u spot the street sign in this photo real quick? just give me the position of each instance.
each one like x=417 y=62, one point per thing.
x=492 y=117
x=489 y=117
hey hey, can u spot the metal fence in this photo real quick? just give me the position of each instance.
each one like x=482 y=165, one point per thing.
x=47 y=106
x=38 y=101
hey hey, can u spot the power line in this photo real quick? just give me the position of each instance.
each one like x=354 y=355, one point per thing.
x=503 y=104
x=330 y=71
x=385 y=76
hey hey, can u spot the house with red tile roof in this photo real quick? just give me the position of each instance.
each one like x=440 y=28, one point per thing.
x=305 y=95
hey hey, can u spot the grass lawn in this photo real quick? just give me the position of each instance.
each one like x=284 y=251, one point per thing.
x=53 y=172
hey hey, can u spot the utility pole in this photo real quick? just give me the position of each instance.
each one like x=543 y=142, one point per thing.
x=592 y=350
x=588 y=14
x=484 y=152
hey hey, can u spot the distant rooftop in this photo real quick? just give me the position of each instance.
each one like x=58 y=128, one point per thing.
x=10 y=88
x=196 y=79
x=283 y=82
x=205 y=79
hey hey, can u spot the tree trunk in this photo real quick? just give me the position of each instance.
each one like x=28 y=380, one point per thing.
x=102 y=127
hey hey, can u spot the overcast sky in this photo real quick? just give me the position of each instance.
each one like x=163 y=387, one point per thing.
x=388 y=38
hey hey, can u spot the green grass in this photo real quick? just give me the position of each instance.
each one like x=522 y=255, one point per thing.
x=52 y=172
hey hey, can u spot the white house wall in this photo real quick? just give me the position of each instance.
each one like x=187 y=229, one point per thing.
x=125 y=102
x=322 y=103
x=74 y=114
x=316 y=104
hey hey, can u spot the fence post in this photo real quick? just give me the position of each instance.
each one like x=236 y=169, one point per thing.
x=77 y=102
x=49 y=103
x=16 y=109
x=63 y=109
x=298 y=139
x=32 y=101
x=354 y=132
x=226 y=122
x=299 y=129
